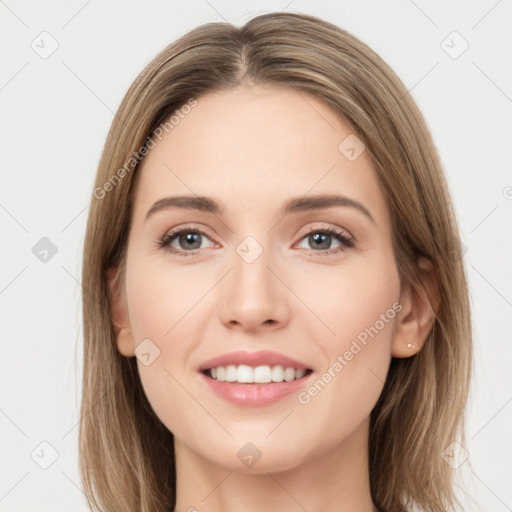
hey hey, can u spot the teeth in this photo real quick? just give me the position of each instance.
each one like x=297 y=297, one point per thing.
x=299 y=374
x=262 y=374
x=259 y=375
x=277 y=374
x=231 y=373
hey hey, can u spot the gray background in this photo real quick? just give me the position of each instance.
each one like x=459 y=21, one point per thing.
x=56 y=110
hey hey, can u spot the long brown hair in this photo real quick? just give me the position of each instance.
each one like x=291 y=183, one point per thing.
x=126 y=453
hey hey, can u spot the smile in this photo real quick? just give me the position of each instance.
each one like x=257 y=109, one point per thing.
x=254 y=378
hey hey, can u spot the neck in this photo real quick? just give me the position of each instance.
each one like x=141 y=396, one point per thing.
x=336 y=480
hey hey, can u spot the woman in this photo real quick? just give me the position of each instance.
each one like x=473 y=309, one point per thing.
x=277 y=313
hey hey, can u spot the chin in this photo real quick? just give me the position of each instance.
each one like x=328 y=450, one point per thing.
x=274 y=462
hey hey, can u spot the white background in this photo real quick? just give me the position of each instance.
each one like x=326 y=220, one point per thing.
x=55 y=114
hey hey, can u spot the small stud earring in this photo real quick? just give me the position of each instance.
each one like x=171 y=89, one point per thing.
x=409 y=345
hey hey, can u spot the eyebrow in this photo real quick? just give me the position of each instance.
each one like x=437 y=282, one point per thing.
x=294 y=205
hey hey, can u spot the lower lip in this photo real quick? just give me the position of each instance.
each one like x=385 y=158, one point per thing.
x=254 y=394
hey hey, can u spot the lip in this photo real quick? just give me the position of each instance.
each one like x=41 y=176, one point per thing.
x=261 y=358
x=254 y=395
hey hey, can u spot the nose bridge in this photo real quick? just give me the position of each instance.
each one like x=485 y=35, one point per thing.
x=251 y=275
x=253 y=295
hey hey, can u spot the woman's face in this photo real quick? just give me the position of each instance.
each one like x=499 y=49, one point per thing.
x=261 y=274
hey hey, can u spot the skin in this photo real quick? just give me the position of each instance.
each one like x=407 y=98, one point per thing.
x=252 y=148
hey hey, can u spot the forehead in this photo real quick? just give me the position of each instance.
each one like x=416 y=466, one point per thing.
x=252 y=147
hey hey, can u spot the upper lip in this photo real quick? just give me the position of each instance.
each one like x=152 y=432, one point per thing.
x=261 y=358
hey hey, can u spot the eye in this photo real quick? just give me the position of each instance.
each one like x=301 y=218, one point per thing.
x=322 y=239
x=188 y=239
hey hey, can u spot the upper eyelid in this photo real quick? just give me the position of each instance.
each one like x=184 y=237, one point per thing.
x=303 y=232
x=326 y=226
x=187 y=228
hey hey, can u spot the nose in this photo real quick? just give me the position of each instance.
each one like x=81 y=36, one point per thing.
x=253 y=296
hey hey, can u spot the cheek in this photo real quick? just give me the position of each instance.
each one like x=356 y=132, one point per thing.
x=165 y=308
x=358 y=308
x=160 y=298
x=367 y=317
x=353 y=301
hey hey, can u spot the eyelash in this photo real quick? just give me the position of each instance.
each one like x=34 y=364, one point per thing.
x=347 y=242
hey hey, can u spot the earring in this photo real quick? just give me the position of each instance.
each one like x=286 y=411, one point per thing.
x=409 y=345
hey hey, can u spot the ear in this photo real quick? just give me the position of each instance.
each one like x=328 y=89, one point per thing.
x=417 y=315
x=120 y=318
